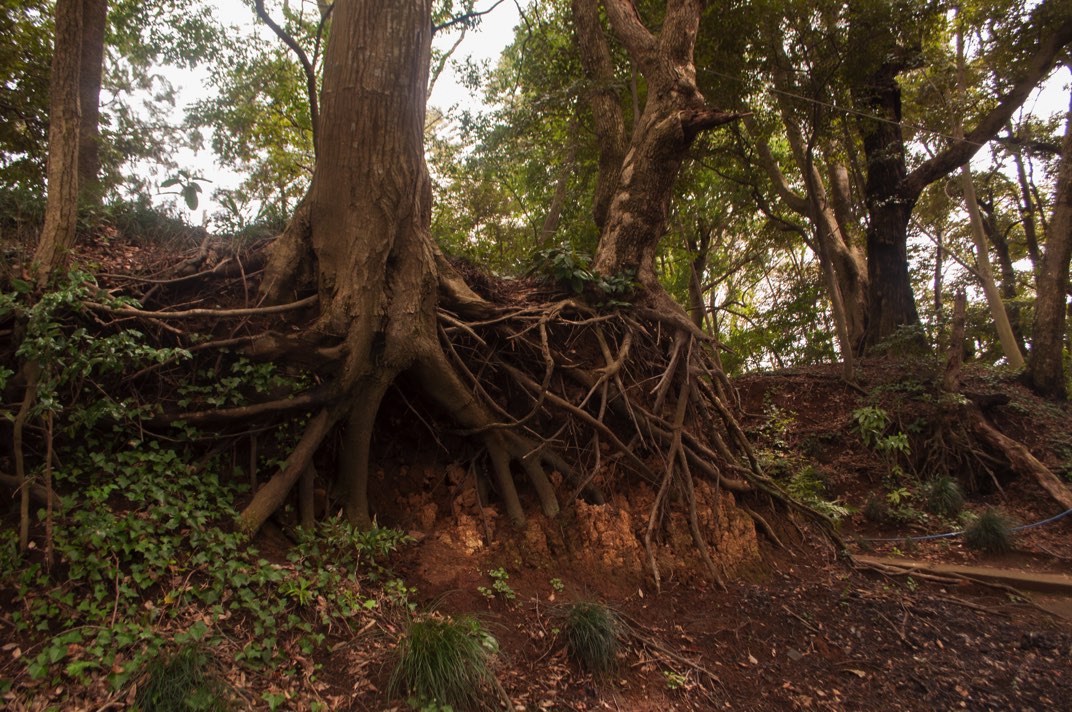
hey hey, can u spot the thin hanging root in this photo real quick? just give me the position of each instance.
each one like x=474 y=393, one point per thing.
x=656 y=507
x=694 y=523
x=766 y=527
x=500 y=465
x=270 y=497
x=587 y=418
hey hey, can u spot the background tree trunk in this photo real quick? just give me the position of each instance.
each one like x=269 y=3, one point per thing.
x=61 y=212
x=605 y=102
x=1046 y=364
x=674 y=114
x=91 y=71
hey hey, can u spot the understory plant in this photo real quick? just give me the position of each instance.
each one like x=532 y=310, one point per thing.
x=182 y=681
x=134 y=571
x=444 y=662
x=592 y=637
x=943 y=496
x=990 y=532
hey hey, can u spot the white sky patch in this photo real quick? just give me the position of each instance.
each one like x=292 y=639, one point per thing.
x=483 y=44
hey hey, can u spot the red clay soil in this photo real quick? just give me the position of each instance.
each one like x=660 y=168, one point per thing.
x=797 y=628
x=808 y=633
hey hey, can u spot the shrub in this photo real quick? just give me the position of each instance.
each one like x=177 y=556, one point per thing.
x=181 y=682
x=592 y=637
x=943 y=496
x=444 y=662
x=991 y=532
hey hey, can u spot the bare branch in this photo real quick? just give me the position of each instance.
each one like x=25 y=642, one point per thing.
x=307 y=66
x=197 y=313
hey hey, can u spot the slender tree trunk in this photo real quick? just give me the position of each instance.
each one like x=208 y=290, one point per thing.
x=558 y=200
x=91 y=71
x=1009 y=347
x=1046 y=364
x=699 y=247
x=61 y=212
x=939 y=274
x=1026 y=205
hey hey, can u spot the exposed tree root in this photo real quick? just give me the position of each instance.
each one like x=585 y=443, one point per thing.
x=564 y=398
x=1021 y=460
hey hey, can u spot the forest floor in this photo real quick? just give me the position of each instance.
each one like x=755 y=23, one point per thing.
x=801 y=628
x=797 y=626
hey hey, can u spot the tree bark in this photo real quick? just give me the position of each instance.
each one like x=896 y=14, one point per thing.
x=1046 y=363
x=366 y=227
x=91 y=71
x=605 y=101
x=674 y=114
x=1009 y=347
x=892 y=192
x=61 y=212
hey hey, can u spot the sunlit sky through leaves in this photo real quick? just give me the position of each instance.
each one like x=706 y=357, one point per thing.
x=484 y=44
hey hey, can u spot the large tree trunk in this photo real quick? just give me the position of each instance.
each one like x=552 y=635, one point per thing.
x=674 y=114
x=61 y=213
x=892 y=192
x=1046 y=364
x=891 y=303
x=91 y=70
x=365 y=227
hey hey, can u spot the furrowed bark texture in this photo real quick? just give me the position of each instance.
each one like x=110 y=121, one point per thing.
x=1046 y=365
x=61 y=213
x=674 y=114
x=366 y=226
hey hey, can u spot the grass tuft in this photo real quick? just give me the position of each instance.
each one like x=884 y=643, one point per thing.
x=943 y=496
x=444 y=662
x=991 y=532
x=592 y=637
x=876 y=510
x=181 y=682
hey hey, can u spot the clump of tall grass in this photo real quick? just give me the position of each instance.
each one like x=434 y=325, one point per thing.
x=990 y=532
x=444 y=662
x=943 y=496
x=592 y=637
x=182 y=682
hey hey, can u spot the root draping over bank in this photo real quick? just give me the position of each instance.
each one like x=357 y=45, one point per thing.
x=566 y=399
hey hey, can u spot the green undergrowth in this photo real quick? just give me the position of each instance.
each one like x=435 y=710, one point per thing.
x=147 y=561
x=137 y=576
x=797 y=476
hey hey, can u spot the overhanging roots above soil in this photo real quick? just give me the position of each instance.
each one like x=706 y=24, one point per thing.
x=566 y=398
x=598 y=396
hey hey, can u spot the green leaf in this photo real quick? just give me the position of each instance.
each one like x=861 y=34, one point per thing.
x=189 y=194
